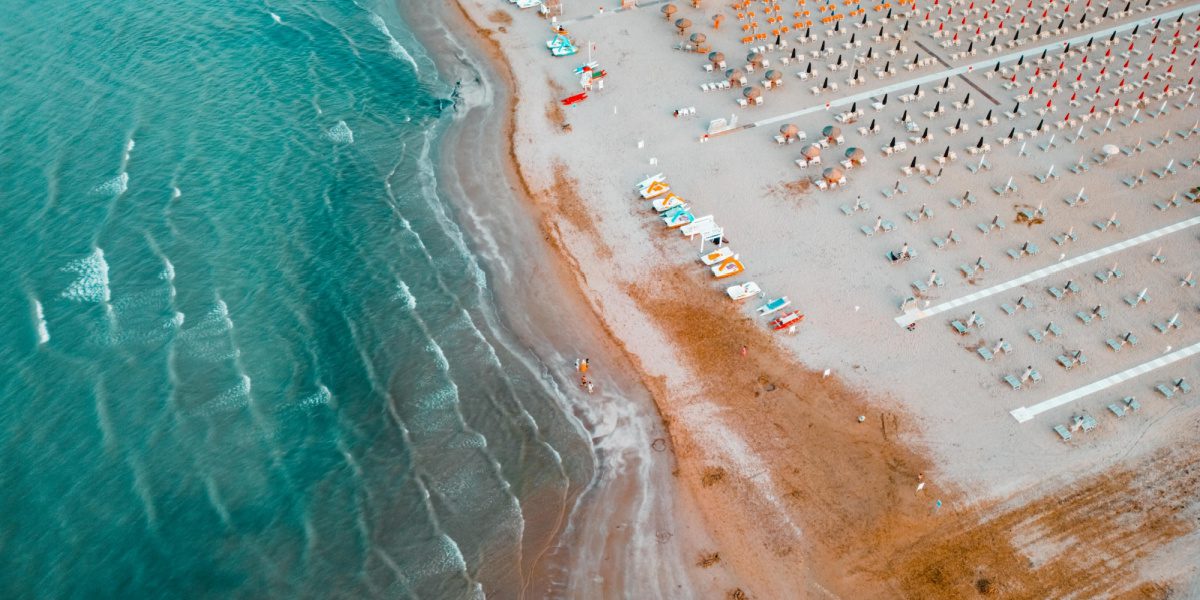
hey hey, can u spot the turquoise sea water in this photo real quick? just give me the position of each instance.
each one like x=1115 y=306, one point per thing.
x=246 y=351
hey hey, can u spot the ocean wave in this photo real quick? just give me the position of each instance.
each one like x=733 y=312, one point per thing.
x=395 y=48
x=233 y=398
x=321 y=397
x=92 y=284
x=113 y=187
x=340 y=133
x=404 y=295
x=275 y=17
x=40 y=317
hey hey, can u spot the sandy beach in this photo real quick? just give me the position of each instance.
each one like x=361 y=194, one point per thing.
x=876 y=451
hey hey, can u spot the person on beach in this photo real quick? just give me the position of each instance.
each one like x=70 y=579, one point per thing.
x=578 y=363
x=591 y=387
x=583 y=366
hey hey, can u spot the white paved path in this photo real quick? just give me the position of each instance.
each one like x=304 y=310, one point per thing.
x=916 y=315
x=1024 y=413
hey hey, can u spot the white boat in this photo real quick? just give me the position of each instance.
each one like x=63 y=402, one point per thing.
x=743 y=291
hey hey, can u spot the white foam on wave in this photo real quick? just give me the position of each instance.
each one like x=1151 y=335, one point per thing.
x=233 y=398
x=340 y=133
x=321 y=397
x=395 y=48
x=40 y=316
x=175 y=193
x=276 y=18
x=113 y=187
x=92 y=283
x=129 y=144
x=404 y=295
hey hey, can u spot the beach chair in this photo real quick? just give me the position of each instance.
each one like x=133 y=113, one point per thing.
x=1035 y=376
x=1104 y=276
x=1166 y=326
x=942 y=242
x=1117 y=410
x=1132 y=404
x=1015 y=384
x=1063 y=238
x=1165 y=391
x=1084 y=421
x=1183 y=386
x=984 y=352
x=959 y=327
x=1136 y=299
x=1070 y=361
x=1062 y=433
x=921 y=286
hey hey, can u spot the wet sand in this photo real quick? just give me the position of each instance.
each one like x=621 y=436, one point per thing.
x=798 y=498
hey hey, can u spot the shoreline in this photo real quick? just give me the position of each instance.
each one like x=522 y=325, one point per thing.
x=559 y=565
x=778 y=502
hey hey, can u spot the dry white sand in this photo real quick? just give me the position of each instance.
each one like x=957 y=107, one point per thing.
x=800 y=244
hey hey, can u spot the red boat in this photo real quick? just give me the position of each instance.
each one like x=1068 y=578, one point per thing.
x=580 y=97
x=787 y=320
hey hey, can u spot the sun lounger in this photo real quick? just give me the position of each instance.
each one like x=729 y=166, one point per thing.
x=1136 y=299
x=1165 y=391
x=1084 y=421
x=1037 y=335
x=1184 y=387
x=985 y=353
x=921 y=286
x=941 y=242
x=1013 y=382
x=1132 y=403
x=1119 y=342
x=959 y=327
x=1069 y=361
x=849 y=210
x=1165 y=326
x=1062 y=433
x=1104 y=276
x=1035 y=377
x=1117 y=410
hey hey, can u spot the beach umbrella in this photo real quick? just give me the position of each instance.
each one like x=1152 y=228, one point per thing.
x=716 y=57
x=754 y=58
x=682 y=25
x=855 y=154
x=698 y=38
x=774 y=76
x=668 y=10
x=832 y=174
x=789 y=130
x=810 y=151
x=831 y=132
x=734 y=75
x=752 y=92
